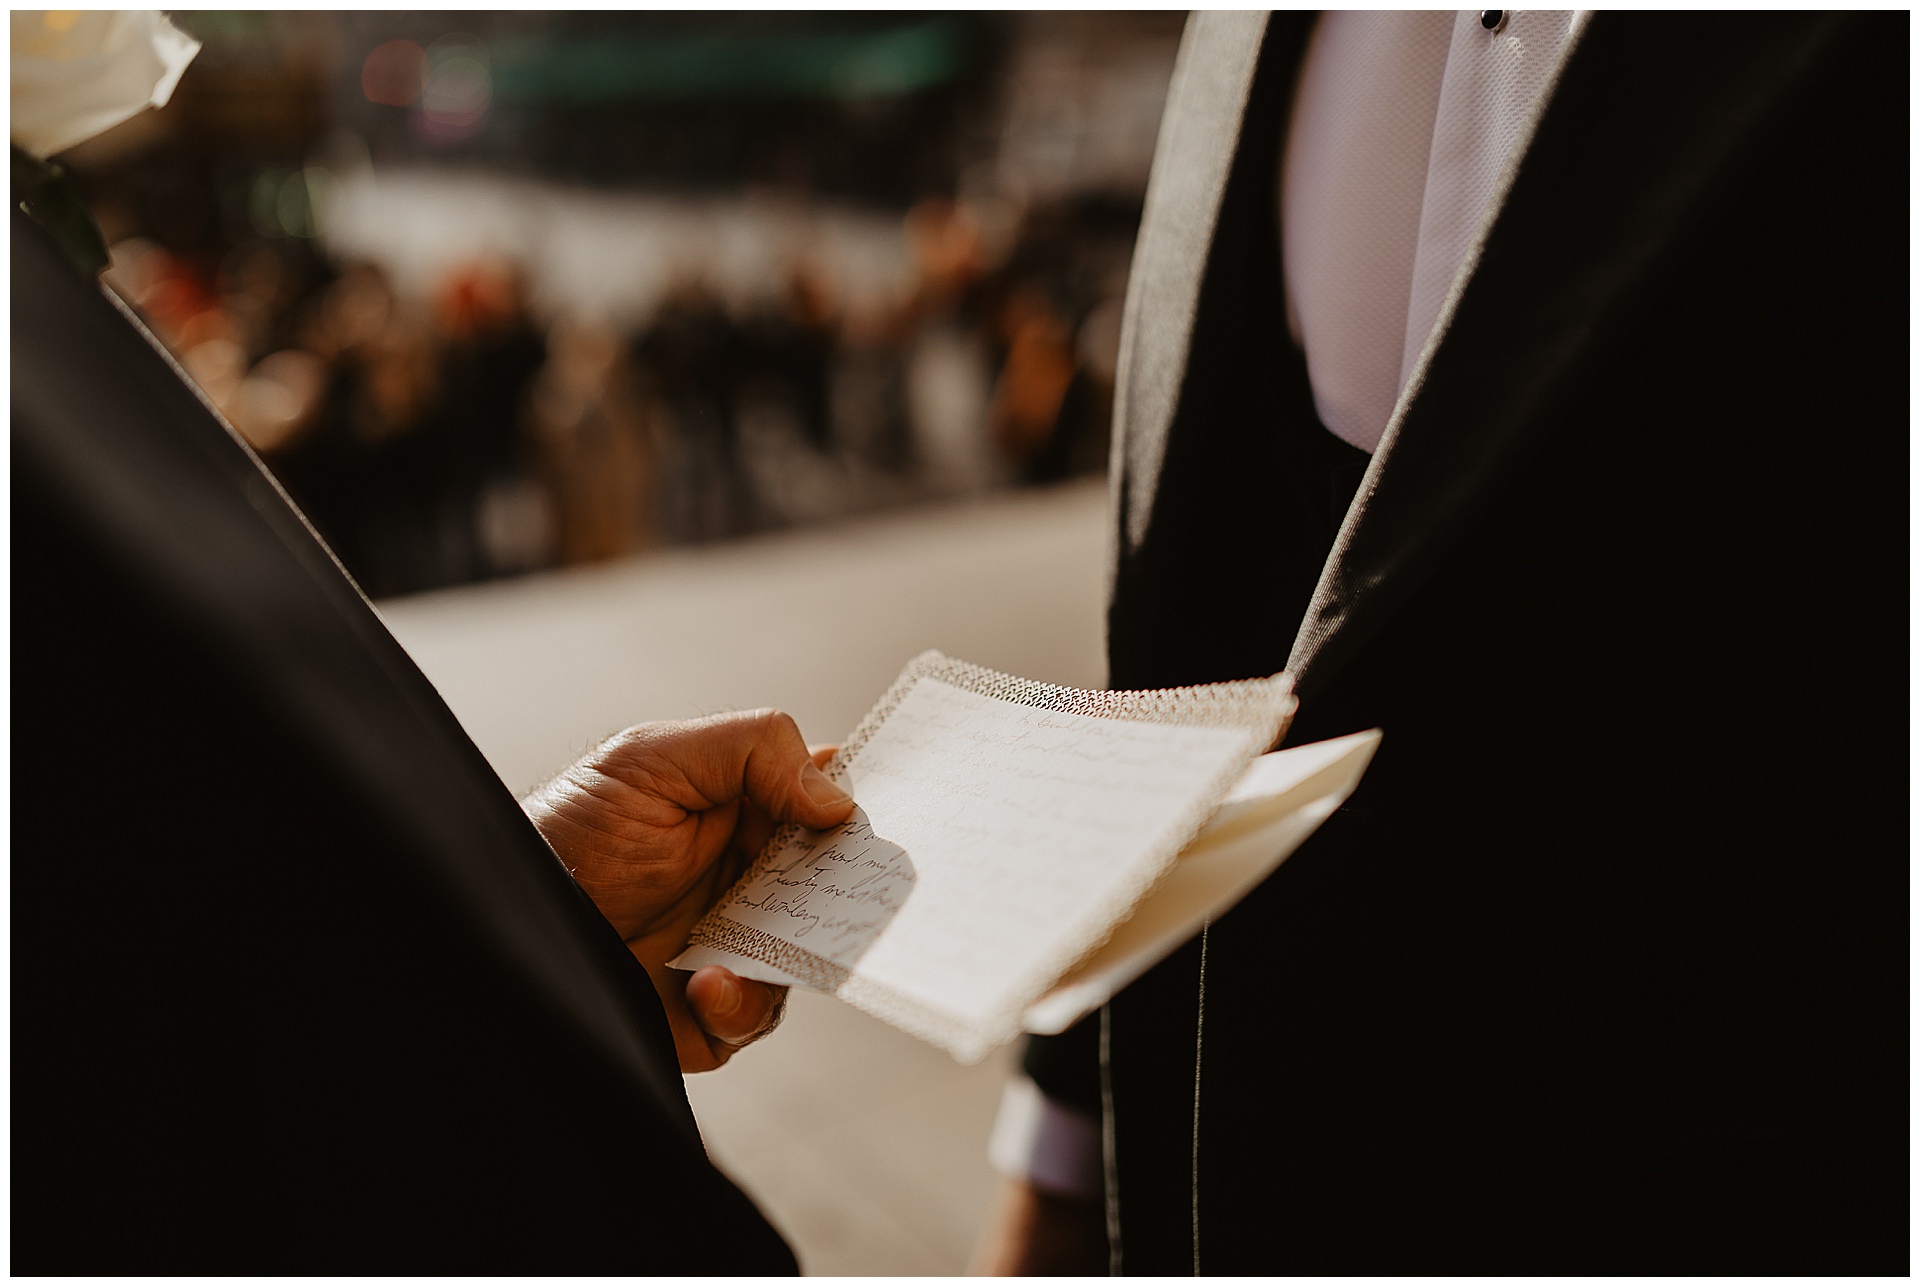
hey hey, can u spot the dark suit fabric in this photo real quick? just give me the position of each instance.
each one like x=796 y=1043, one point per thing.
x=297 y=987
x=1603 y=968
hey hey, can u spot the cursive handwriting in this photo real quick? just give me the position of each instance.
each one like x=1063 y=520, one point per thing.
x=846 y=884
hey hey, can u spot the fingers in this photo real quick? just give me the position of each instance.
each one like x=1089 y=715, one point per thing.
x=732 y=1011
x=755 y=828
x=756 y=754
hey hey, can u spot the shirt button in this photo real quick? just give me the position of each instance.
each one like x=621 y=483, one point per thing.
x=1493 y=19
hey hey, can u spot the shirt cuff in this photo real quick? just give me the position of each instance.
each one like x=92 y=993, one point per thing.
x=1050 y=1145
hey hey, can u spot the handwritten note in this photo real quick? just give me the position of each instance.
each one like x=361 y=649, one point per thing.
x=997 y=842
x=834 y=896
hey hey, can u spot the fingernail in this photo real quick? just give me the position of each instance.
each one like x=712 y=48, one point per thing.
x=821 y=789
x=727 y=1004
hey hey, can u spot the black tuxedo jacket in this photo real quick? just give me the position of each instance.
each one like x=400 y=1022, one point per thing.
x=1604 y=967
x=296 y=985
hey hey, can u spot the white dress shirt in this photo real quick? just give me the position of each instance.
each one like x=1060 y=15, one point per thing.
x=1400 y=128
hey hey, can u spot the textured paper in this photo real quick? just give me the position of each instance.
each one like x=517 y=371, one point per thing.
x=1005 y=828
x=1280 y=800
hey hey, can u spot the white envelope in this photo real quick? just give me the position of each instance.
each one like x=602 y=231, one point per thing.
x=1282 y=799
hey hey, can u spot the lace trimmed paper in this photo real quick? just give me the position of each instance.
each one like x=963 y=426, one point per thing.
x=1005 y=828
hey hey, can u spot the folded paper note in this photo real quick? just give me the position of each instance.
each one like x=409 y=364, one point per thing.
x=1022 y=850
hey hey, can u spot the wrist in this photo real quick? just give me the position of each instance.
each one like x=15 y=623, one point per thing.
x=1050 y=1146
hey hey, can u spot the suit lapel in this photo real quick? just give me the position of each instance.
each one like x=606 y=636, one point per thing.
x=1625 y=161
x=1197 y=152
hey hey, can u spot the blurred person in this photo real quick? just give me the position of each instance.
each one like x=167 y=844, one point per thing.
x=1040 y=367
x=793 y=340
x=869 y=389
x=948 y=256
x=1534 y=389
x=332 y=470
x=591 y=432
x=309 y=990
x=1045 y=311
x=787 y=441
x=692 y=353
x=948 y=381
x=948 y=376
x=492 y=351
x=392 y=401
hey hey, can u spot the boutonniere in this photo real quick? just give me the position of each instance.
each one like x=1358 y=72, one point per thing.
x=76 y=74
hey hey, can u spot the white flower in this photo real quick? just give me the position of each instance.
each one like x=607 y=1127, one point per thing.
x=79 y=73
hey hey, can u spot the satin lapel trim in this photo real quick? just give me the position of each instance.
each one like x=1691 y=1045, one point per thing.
x=1626 y=146
x=1193 y=158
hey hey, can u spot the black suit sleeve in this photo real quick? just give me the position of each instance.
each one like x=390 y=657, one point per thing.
x=298 y=988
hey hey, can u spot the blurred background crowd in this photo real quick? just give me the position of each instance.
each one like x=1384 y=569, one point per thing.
x=497 y=292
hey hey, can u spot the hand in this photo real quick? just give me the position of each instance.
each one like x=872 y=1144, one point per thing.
x=1031 y=1233
x=658 y=821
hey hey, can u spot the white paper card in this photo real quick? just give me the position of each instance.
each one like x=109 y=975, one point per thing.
x=1004 y=829
x=1282 y=799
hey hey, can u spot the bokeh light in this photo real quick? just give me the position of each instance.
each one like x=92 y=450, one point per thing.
x=285 y=202
x=394 y=74
x=459 y=88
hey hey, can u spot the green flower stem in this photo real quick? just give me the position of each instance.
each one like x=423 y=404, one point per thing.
x=43 y=190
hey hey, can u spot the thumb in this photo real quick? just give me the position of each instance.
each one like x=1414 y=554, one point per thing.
x=761 y=755
x=784 y=780
x=827 y=800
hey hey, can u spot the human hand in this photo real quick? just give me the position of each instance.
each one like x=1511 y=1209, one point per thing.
x=1032 y=1233
x=658 y=821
